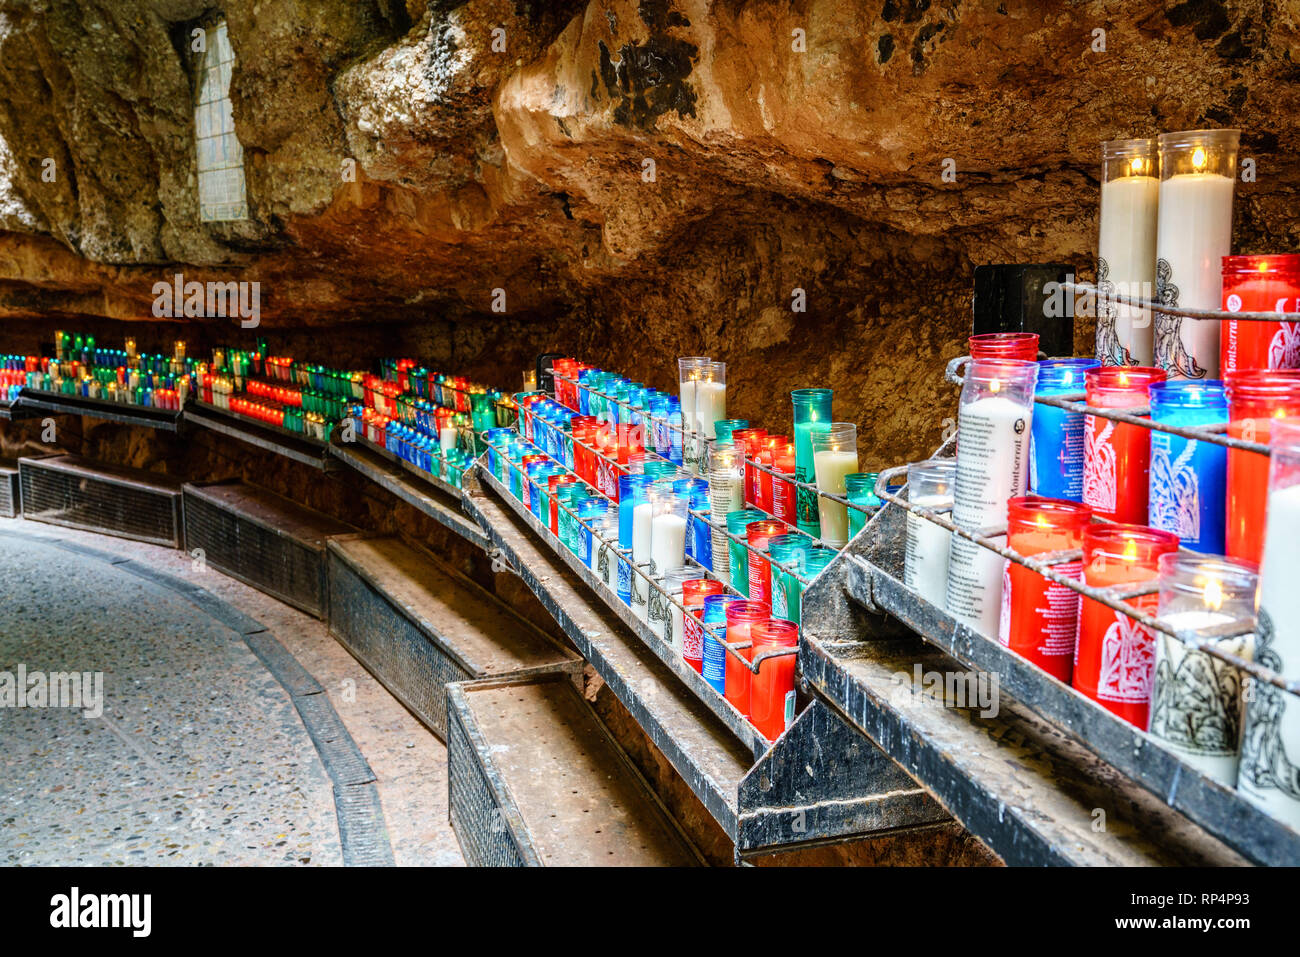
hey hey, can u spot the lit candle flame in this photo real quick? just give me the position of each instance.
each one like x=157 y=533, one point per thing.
x=1198 y=158
x=1213 y=594
x=1130 y=551
x=1136 y=165
x=995 y=385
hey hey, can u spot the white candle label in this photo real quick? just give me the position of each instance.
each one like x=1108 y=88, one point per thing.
x=1128 y=660
x=692 y=639
x=1100 y=484
x=606 y=478
x=659 y=618
x=1196 y=704
x=1270 y=751
x=925 y=558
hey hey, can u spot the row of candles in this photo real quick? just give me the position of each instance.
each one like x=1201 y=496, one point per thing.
x=1166 y=236
x=650 y=547
x=150 y=382
x=1118 y=504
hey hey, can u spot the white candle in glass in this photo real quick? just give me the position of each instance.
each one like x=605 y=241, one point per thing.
x=925 y=558
x=447 y=437
x=667 y=541
x=1126 y=248
x=992 y=448
x=1170 y=655
x=710 y=406
x=830 y=466
x=1197 y=174
x=642 y=522
x=1269 y=774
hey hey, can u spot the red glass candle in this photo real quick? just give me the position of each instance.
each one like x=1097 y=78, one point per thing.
x=1005 y=345
x=553 y=484
x=749 y=442
x=1260 y=284
x=773 y=685
x=1255 y=398
x=694 y=591
x=1117 y=456
x=758 y=534
x=783 y=488
x=1040 y=618
x=741 y=615
x=1115 y=660
x=765 y=497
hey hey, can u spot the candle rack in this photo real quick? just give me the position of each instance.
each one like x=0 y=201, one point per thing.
x=33 y=402
x=870 y=573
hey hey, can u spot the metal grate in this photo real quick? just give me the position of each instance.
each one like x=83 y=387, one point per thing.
x=390 y=646
x=281 y=558
x=129 y=503
x=476 y=817
x=10 y=499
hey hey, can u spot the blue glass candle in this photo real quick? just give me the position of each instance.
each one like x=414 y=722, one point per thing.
x=632 y=491
x=1056 y=436
x=1188 y=478
x=714 y=618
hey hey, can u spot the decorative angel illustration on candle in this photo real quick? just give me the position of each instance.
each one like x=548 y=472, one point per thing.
x=658 y=616
x=1127 y=662
x=1197 y=703
x=1175 y=504
x=1265 y=764
x=1284 y=348
x=1170 y=350
x=1110 y=351
x=1099 y=479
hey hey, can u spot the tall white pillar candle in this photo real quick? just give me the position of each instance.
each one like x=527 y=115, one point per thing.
x=667 y=541
x=710 y=406
x=642 y=522
x=1126 y=250
x=1197 y=174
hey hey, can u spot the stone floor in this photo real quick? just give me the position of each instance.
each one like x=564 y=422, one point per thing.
x=199 y=756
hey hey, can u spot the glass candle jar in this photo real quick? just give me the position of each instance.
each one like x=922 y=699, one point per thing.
x=787 y=551
x=835 y=455
x=1197 y=171
x=711 y=399
x=633 y=492
x=1188 y=478
x=666 y=617
x=812 y=410
x=1260 y=284
x=1116 y=455
x=860 y=487
x=993 y=423
x=1115 y=658
x=763 y=490
x=737 y=554
x=758 y=534
x=1270 y=751
x=814 y=561
x=714 y=631
x=741 y=615
x=1040 y=618
x=1196 y=700
x=749 y=442
x=783 y=490
x=925 y=556
x=722 y=431
x=1126 y=250
x=694 y=592
x=1056 y=443
x=1256 y=399
x=771 y=692
x=726 y=495
x=667 y=530
x=690 y=370
x=1004 y=345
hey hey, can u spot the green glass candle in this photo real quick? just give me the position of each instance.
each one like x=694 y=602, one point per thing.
x=814 y=560
x=725 y=427
x=812 y=412
x=789 y=551
x=738 y=554
x=860 y=489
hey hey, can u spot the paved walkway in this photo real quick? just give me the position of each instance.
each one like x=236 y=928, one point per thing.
x=200 y=755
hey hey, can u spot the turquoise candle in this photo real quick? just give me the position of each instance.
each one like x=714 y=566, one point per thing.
x=812 y=412
x=860 y=489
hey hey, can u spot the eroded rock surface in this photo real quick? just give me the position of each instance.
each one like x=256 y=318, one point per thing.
x=642 y=178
